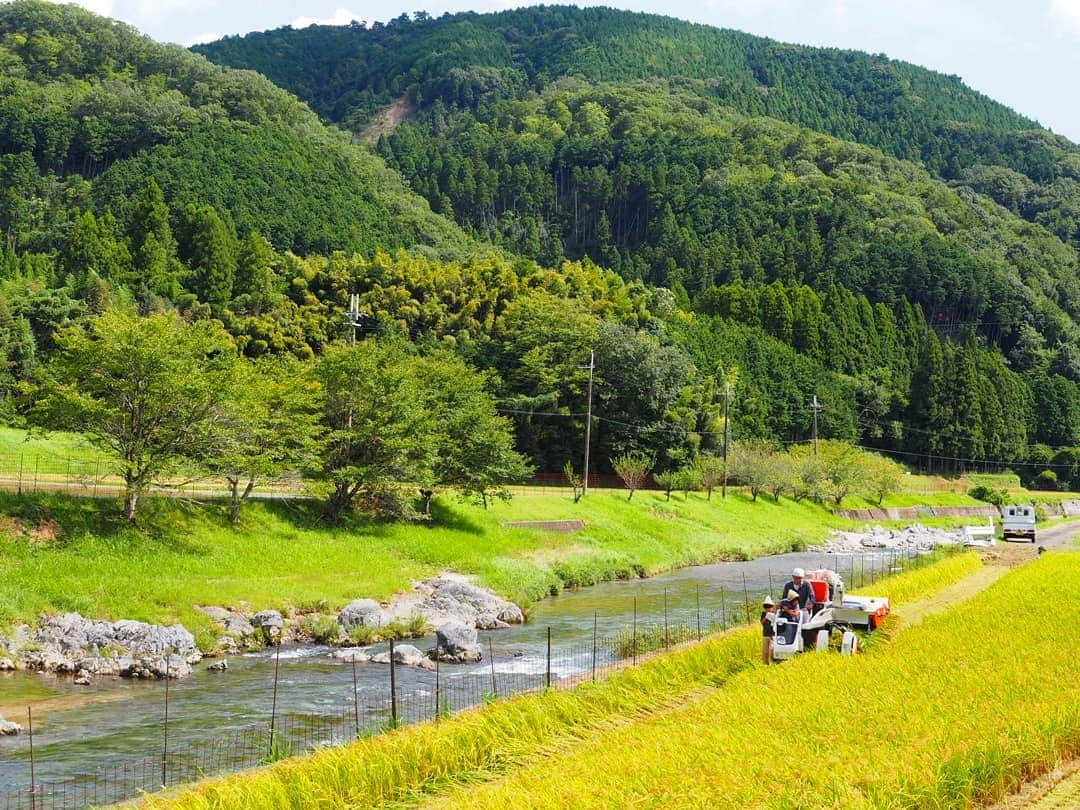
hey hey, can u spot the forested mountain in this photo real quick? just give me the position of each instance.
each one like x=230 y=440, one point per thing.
x=468 y=60
x=909 y=236
x=91 y=111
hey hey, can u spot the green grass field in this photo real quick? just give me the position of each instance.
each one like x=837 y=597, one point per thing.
x=59 y=552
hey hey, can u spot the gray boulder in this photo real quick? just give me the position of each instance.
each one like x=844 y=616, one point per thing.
x=7 y=664
x=237 y=625
x=361 y=613
x=352 y=654
x=269 y=621
x=219 y=666
x=140 y=638
x=448 y=599
x=405 y=655
x=457 y=643
x=156 y=667
x=218 y=614
x=9 y=728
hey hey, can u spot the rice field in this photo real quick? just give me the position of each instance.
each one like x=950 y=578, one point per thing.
x=957 y=711
x=417 y=761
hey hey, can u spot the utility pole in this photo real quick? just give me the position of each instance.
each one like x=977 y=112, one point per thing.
x=588 y=422
x=354 y=317
x=817 y=408
x=727 y=435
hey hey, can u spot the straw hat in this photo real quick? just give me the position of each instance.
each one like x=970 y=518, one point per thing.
x=791 y=594
x=768 y=602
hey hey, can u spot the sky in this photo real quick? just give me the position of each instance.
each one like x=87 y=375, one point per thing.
x=1024 y=53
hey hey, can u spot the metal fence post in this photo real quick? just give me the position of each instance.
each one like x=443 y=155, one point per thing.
x=273 y=705
x=667 y=637
x=356 y=698
x=723 y=609
x=547 y=674
x=633 y=640
x=491 y=657
x=594 y=645
x=165 y=727
x=30 y=731
x=746 y=597
x=697 y=598
x=20 y=474
x=393 y=687
x=438 y=695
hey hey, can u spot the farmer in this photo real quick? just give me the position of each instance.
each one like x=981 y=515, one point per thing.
x=768 y=629
x=802 y=589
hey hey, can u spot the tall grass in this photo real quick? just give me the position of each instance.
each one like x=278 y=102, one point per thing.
x=419 y=759
x=958 y=711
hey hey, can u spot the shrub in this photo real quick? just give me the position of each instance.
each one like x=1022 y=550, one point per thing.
x=989 y=494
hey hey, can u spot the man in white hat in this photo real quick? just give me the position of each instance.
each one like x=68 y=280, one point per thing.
x=799 y=584
x=768 y=629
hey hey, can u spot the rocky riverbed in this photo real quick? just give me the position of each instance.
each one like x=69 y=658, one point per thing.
x=86 y=648
x=915 y=537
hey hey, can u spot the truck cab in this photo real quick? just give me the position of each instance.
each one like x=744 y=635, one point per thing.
x=1018 y=522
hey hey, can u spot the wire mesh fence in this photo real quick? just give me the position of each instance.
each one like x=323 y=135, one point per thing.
x=448 y=691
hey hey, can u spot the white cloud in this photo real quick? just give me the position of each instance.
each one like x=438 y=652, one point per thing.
x=200 y=39
x=1066 y=12
x=342 y=16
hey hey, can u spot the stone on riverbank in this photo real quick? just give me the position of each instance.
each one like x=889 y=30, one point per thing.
x=352 y=654
x=915 y=537
x=456 y=643
x=446 y=599
x=9 y=728
x=70 y=643
x=361 y=613
x=270 y=622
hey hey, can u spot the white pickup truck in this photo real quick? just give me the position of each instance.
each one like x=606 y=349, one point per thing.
x=1018 y=522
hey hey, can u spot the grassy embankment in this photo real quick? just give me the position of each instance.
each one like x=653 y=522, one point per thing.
x=66 y=553
x=416 y=760
x=63 y=553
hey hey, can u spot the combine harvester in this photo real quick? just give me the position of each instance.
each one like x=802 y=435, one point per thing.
x=838 y=611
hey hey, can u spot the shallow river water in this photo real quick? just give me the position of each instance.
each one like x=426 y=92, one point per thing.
x=83 y=730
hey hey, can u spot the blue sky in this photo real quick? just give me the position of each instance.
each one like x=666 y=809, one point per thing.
x=1025 y=53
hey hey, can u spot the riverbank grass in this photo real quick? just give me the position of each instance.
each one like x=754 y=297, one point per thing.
x=62 y=553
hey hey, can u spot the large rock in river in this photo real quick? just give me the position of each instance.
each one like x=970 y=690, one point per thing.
x=457 y=642
x=8 y=728
x=405 y=655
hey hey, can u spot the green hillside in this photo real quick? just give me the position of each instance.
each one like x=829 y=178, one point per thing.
x=465 y=60
x=90 y=111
